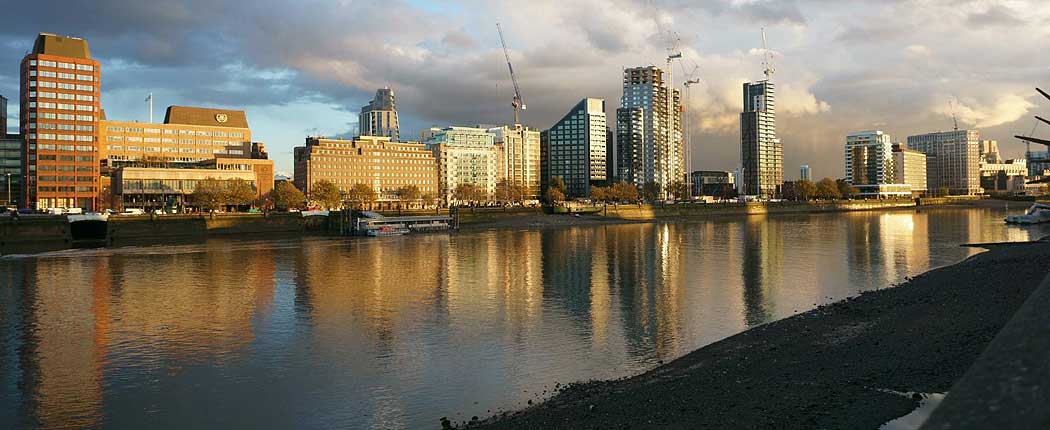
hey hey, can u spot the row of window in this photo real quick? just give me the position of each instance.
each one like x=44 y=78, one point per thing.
x=61 y=75
x=66 y=189
x=51 y=157
x=68 y=137
x=54 y=126
x=171 y=149
x=50 y=147
x=61 y=96
x=61 y=86
x=62 y=65
x=61 y=116
x=61 y=106
x=54 y=168
x=50 y=178
x=119 y=129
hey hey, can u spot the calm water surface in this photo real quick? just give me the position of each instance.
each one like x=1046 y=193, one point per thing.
x=398 y=332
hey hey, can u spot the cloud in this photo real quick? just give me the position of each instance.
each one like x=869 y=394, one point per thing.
x=996 y=15
x=1004 y=109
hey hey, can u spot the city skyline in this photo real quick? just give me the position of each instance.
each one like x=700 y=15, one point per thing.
x=829 y=76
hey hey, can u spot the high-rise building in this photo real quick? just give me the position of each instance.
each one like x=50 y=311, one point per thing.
x=909 y=167
x=804 y=174
x=869 y=165
x=379 y=117
x=58 y=116
x=761 y=153
x=649 y=144
x=712 y=183
x=952 y=160
x=990 y=152
x=378 y=162
x=575 y=149
x=465 y=155
x=11 y=150
x=3 y=115
x=521 y=156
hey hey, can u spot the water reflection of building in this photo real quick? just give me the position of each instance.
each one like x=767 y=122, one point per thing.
x=763 y=250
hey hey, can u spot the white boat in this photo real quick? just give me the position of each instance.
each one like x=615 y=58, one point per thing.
x=387 y=231
x=1038 y=213
x=90 y=216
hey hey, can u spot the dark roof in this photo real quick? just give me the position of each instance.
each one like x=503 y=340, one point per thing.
x=51 y=44
x=205 y=116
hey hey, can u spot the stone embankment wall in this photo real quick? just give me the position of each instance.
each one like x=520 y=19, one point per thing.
x=29 y=234
x=652 y=212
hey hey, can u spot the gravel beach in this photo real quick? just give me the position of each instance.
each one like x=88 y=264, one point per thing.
x=847 y=365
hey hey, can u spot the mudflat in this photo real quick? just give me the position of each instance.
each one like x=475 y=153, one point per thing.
x=853 y=364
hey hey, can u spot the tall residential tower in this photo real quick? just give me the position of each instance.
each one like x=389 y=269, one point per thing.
x=761 y=154
x=379 y=117
x=649 y=143
x=952 y=160
x=574 y=149
x=58 y=115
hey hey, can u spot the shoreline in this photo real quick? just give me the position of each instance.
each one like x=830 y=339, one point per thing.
x=842 y=365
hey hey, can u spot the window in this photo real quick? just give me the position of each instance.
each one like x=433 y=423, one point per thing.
x=85 y=98
x=64 y=75
x=85 y=138
x=66 y=106
x=85 y=148
x=66 y=66
x=85 y=88
x=134 y=139
x=86 y=67
x=85 y=108
x=89 y=118
x=85 y=78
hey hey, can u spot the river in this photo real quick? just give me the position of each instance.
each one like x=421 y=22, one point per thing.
x=398 y=332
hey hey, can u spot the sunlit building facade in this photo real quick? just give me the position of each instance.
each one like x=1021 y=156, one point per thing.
x=58 y=116
x=379 y=116
x=649 y=144
x=187 y=136
x=761 y=153
x=575 y=149
x=465 y=155
x=952 y=160
x=869 y=165
x=909 y=167
x=521 y=156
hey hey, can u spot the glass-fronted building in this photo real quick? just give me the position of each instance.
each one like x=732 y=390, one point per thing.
x=11 y=148
x=575 y=149
x=465 y=155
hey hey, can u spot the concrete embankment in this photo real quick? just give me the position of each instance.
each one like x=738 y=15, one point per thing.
x=48 y=233
x=848 y=365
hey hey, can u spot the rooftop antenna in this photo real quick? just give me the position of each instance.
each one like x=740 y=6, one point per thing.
x=767 y=58
x=951 y=108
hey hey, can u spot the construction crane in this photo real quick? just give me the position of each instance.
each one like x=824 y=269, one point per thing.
x=767 y=58
x=517 y=103
x=955 y=120
x=1030 y=139
x=694 y=78
x=666 y=158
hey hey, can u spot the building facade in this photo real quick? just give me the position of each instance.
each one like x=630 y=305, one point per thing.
x=379 y=116
x=152 y=187
x=804 y=173
x=521 y=156
x=649 y=143
x=465 y=155
x=952 y=160
x=3 y=115
x=11 y=150
x=58 y=116
x=187 y=136
x=761 y=153
x=1006 y=176
x=375 y=161
x=990 y=152
x=712 y=183
x=869 y=161
x=575 y=149
x=909 y=168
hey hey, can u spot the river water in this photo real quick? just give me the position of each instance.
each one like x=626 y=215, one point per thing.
x=398 y=332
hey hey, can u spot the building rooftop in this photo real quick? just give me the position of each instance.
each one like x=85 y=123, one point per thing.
x=206 y=116
x=50 y=44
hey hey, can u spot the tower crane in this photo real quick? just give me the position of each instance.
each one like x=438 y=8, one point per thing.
x=517 y=103
x=767 y=59
x=694 y=79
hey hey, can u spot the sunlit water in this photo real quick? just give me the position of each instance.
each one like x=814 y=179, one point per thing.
x=398 y=332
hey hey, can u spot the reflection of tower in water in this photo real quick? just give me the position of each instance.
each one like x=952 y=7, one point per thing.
x=763 y=250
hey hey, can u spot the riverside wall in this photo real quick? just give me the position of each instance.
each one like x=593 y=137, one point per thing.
x=654 y=212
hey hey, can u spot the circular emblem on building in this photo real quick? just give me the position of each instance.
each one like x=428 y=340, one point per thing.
x=220 y=117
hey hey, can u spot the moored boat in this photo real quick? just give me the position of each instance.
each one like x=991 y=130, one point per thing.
x=1038 y=213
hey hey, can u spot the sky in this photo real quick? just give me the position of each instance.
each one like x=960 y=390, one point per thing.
x=306 y=67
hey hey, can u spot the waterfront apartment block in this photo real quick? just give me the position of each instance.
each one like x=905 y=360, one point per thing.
x=58 y=116
x=909 y=168
x=152 y=187
x=952 y=160
x=869 y=165
x=521 y=156
x=575 y=149
x=11 y=150
x=804 y=173
x=761 y=153
x=714 y=183
x=376 y=161
x=465 y=155
x=379 y=116
x=649 y=144
x=187 y=136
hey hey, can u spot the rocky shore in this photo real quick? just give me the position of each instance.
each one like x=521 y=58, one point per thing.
x=854 y=364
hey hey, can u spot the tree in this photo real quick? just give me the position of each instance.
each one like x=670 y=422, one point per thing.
x=554 y=196
x=599 y=194
x=846 y=190
x=943 y=192
x=827 y=189
x=240 y=192
x=651 y=191
x=469 y=193
x=209 y=194
x=325 y=194
x=806 y=190
x=624 y=192
x=679 y=189
x=285 y=196
x=361 y=194
x=503 y=191
x=408 y=193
